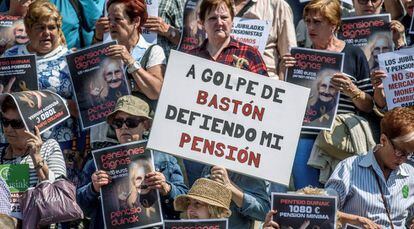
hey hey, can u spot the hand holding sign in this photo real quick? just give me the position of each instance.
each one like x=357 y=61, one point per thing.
x=288 y=60
x=156 y=180
x=157 y=25
x=7 y=88
x=376 y=78
x=99 y=179
x=398 y=31
x=220 y=175
x=269 y=223
x=367 y=223
x=344 y=84
x=120 y=52
x=34 y=142
x=101 y=27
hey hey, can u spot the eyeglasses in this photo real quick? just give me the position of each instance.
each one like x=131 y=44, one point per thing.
x=14 y=123
x=400 y=153
x=129 y=122
x=365 y=2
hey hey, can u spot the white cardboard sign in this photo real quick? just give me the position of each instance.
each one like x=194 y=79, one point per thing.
x=399 y=83
x=221 y=115
x=252 y=32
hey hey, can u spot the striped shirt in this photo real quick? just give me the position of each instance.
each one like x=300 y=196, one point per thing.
x=51 y=153
x=5 y=206
x=356 y=187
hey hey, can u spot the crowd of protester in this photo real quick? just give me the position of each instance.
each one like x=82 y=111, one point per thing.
x=368 y=187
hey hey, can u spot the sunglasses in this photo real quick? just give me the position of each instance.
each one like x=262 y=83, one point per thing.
x=400 y=153
x=129 y=122
x=365 y=2
x=14 y=123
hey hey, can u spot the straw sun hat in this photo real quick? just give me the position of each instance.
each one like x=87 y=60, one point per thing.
x=207 y=191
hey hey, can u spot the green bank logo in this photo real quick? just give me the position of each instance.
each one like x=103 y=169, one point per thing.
x=405 y=191
x=15 y=176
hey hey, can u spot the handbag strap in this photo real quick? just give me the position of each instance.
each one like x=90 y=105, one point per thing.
x=387 y=209
x=245 y=8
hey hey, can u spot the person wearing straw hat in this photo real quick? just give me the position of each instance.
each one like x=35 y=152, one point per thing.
x=207 y=199
x=131 y=119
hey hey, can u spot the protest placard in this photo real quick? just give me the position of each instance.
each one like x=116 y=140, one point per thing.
x=98 y=81
x=17 y=179
x=399 y=83
x=193 y=34
x=221 y=115
x=297 y=211
x=314 y=69
x=126 y=201
x=12 y=32
x=372 y=33
x=152 y=10
x=196 y=223
x=252 y=32
x=19 y=73
x=43 y=109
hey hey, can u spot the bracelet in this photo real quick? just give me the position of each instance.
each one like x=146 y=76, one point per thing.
x=357 y=95
x=40 y=164
x=97 y=39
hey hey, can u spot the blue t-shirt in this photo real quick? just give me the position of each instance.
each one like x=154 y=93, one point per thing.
x=92 y=11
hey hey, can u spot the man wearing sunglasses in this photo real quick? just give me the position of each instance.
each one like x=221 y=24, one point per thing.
x=376 y=190
x=131 y=120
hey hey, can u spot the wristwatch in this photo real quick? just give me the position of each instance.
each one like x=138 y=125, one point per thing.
x=133 y=67
x=40 y=164
x=172 y=32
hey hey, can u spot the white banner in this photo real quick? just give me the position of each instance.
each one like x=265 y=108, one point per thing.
x=399 y=83
x=220 y=115
x=252 y=32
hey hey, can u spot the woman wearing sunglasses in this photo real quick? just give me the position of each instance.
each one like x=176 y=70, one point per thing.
x=131 y=120
x=376 y=190
x=45 y=159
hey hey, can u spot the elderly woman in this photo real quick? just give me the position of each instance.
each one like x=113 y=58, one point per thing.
x=130 y=120
x=250 y=200
x=144 y=62
x=45 y=159
x=44 y=27
x=217 y=20
x=375 y=190
x=207 y=199
x=323 y=18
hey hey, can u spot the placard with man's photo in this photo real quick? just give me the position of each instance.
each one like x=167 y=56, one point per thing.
x=98 y=81
x=314 y=69
x=127 y=201
x=372 y=33
x=12 y=32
